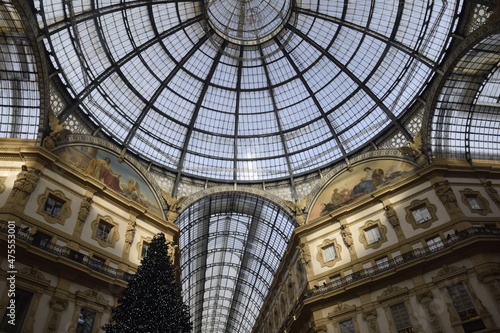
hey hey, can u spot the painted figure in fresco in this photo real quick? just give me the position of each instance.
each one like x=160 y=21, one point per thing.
x=132 y=190
x=369 y=183
x=101 y=169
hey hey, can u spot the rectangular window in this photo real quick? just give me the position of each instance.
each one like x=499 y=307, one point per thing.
x=401 y=318
x=53 y=206
x=474 y=202
x=462 y=301
x=373 y=234
x=329 y=252
x=103 y=230
x=85 y=322
x=23 y=303
x=144 y=250
x=421 y=214
x=435 y=243
x=382 y=263
x=347 y=326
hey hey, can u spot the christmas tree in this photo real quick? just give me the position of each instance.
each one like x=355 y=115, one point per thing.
x=152 y=301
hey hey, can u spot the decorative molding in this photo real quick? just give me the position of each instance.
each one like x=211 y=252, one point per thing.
x=448 y=272
x=34 y=275
x=140 y=244
x=485 y=205
x=113 y=236
x=341 y=309
x=393 y=292
x=320 y=256
x=231 y=189
x=65 y=208
x=383 y=234
x=416 y=204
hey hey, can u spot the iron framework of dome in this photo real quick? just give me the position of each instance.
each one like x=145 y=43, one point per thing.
x=245 y=91
x=242 y=91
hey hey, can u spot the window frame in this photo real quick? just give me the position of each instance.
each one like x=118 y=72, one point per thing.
x=56 y=195
x=321 y=254
x=401 y=326
x=417 y=204
x=484 y=205
x=83 y=308
x=363 y=235
x=113 y=235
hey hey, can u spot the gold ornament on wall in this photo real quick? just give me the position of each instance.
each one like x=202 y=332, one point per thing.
x=298 y=208
x=57 y=132
x=173 y=204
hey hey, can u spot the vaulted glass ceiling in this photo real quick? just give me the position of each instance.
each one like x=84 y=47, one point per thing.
x=245 y=90
x=232 y=245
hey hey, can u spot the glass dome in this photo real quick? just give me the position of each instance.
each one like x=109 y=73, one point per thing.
x=245 y=91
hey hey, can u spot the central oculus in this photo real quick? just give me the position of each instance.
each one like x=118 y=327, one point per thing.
x=247 y=22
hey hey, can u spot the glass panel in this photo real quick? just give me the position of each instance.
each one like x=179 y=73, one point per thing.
x=421 y=214
x=356 y=67
x=373 y=234
x=462 y=301
x=329 y=252
x=347 y=326
x=474 y=202
x=144 y=250
x=85 y=321
x=53 y=206
x=401 y=318
x=103 y=230
x=231 y=246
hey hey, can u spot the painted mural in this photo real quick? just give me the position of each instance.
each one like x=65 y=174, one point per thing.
x=105 y=167
x=364 y=178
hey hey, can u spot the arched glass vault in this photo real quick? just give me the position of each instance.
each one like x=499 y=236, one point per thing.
x=466 y=120
x=231 y=246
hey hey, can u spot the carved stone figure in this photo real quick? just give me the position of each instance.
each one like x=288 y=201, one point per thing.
x=173 y=205
x=305 y=254
x=493 y=193
x=414 y=147
x=26 y=181
x=57 y=132
x=298 y=208
x=446 y=195
x=84 y=211
x=130 y=233
x=346 y=235
x=172 y=252
x=392 y=216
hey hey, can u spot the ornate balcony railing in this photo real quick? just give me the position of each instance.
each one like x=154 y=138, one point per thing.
x=95 y=264
x=392 y=263
x=403 y=259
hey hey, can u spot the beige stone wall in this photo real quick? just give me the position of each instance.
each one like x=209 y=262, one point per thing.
x=415 y=276
x=61 y=286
